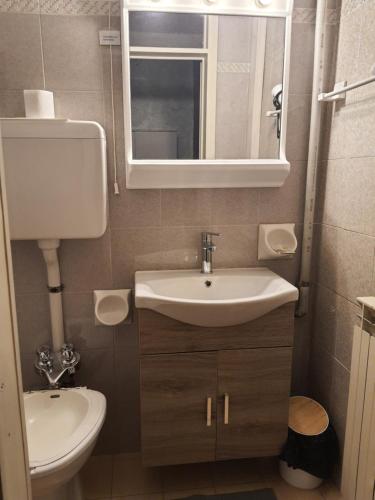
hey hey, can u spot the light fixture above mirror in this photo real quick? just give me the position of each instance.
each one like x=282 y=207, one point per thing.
x=205 y=89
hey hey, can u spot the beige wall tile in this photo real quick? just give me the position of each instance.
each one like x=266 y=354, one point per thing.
x=298 y=127
x=30 y=275
x=333 y=324
x=320 y=374
x=33 y=321
x=234 y=39
x=11 y=103
x=284 y=204
x=134 y=250
x=349 y=46
x=97 y=477
x=86 y=264
x=30 y=378
x=339 y=267
x=97 y=371
x=235 y=206
x=132 y=208
x=181 y=247
x=186 y=207
x=21 y=52
x=339 y=400
x=127 y=429
x=237 y=246
x=349 y=201
x=301 y=355
x=302 y=58
x=232 y=122
x=79 y=321
x=130 y=478
x=73 y=58
x=81 y=105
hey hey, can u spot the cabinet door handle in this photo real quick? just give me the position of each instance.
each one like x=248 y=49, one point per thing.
x=226 y=409
x=209 y=412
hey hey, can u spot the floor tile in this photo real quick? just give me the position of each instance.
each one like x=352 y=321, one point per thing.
x=237 y=472
x=184 y=477
x=269 y=468
x=174 y=495
x=234 y=488
x=284 y=491
x=96 y=477
x=330 y=492
x=131 y=478
x=147 y=496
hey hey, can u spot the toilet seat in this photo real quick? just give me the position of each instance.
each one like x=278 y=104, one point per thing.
x=61 y=424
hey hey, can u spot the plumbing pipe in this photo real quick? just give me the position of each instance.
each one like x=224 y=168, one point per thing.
x=49 y=251
x=312 y=162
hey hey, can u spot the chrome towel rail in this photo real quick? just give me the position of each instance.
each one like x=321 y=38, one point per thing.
x=341 y=88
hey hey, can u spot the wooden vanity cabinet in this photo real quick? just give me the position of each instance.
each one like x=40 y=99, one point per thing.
x=209 y=401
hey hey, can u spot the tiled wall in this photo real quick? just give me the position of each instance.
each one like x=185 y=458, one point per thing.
x=54 y=45
x=345 y=243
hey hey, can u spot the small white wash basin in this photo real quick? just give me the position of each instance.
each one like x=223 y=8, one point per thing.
x=224 y=298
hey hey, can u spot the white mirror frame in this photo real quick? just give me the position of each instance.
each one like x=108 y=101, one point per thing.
x=171 y=174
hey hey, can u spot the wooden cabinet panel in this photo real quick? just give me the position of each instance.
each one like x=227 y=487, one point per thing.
x=160 y=334
x=174 y=392
x=257 y=382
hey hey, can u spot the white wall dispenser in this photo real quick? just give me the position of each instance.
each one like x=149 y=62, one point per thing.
x=111 y=306
x=276 y=241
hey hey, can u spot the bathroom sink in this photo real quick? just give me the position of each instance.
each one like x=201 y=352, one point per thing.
x=224 y=298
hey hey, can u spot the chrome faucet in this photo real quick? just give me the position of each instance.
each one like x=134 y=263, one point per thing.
x=207 y=249
x=53 y=366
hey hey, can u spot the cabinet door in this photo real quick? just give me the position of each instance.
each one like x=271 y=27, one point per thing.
x=178 y=393
x=253 y=401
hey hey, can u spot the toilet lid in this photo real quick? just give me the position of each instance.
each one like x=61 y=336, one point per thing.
x=60 y=421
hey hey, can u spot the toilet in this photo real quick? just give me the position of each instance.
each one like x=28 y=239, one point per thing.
x=62 y=428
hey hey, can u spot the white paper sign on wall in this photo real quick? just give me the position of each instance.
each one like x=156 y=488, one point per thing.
x=109 y=37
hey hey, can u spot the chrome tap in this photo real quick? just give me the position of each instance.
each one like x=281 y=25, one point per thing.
x=44 y=361
x=207 y=249
x=53 y=366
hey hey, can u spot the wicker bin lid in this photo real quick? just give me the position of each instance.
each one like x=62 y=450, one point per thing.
x=306 y=416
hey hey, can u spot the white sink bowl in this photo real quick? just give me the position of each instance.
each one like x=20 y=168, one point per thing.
x=226 y=297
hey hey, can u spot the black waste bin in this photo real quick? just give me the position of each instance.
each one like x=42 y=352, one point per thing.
x=311 y=449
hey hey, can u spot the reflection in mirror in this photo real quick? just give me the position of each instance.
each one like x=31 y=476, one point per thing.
x=205 y=86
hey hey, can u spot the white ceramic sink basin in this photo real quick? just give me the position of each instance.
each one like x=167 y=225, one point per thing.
x=226 y=297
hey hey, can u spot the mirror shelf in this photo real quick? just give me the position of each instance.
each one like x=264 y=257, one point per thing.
x=159 y=174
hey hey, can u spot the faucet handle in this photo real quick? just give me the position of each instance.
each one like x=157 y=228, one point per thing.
x=69 y=358
x=207 y=235
x=44 y=357
x=67 y=354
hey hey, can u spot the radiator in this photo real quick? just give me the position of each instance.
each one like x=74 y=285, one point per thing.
x=358 y=473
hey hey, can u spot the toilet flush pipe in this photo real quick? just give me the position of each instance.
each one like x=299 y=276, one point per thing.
x=312 y=162
x=49 y=251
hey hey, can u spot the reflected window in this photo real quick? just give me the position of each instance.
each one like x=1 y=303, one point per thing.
x=166 y=114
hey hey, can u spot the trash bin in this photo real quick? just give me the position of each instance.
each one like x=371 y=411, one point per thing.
x=311 y=449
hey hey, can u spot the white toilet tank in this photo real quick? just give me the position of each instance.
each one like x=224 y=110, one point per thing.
x=56 y=178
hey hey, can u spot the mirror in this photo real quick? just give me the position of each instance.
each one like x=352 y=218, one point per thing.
x=205 y=87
